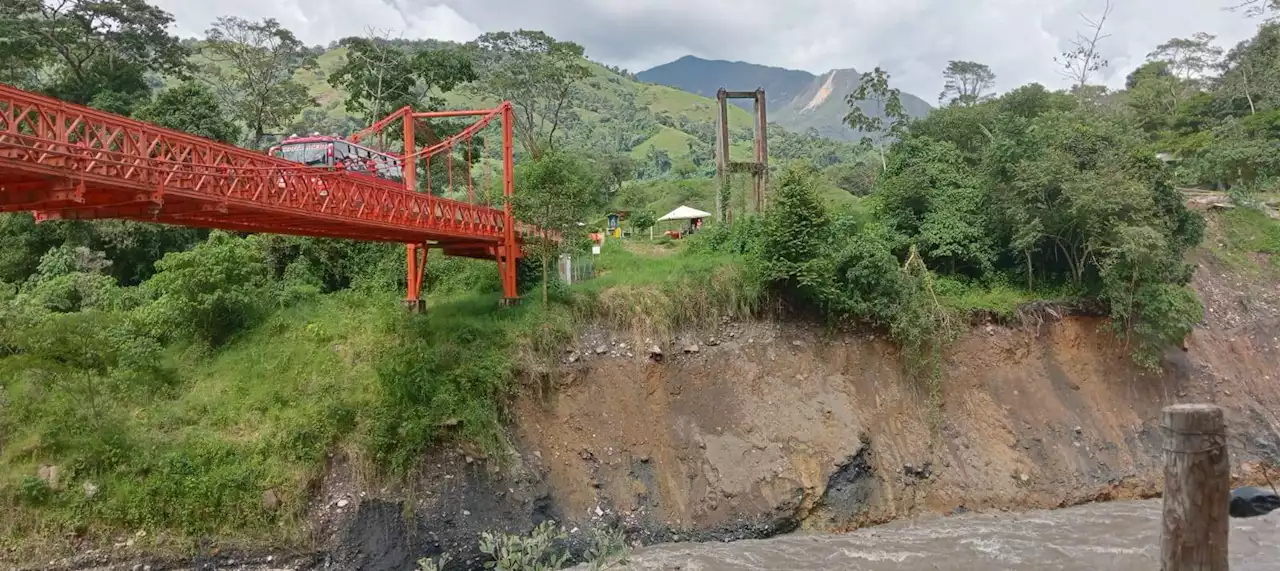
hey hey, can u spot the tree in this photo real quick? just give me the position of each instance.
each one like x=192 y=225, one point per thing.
x=208 y=293
x=380 y=76
x=658 y=162
x=618 y=169
x=556 y=190
x=95 y=52
x=874 y=87
x=252 y=69
x=1252 y=69
x=21 y=51
x=1084 y=58
x=1190 y=57
x=683 y=167
x=967 y=83
x=73 y=353
x=1256 y=8
x=643 y=220
x=856 y=178
x=377 y=76
x=929 y=196
x=192 y=108
x=795 y=238
x=1154 y=93
x=538 y=74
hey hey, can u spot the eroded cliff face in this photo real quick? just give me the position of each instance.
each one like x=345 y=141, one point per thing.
x=769 y=427
x=777 y=426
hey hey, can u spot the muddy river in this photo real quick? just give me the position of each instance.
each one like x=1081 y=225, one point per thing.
x=1111 y=536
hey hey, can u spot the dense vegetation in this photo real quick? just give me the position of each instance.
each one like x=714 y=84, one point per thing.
x=1054 y=194
x=194 y=383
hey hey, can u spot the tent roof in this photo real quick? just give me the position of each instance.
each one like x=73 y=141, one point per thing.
x=684 y=213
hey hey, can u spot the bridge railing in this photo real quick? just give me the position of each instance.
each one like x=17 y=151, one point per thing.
x=102 y=156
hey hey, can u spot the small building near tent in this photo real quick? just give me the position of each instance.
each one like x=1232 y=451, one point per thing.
x=691 y=216
x=615 y=222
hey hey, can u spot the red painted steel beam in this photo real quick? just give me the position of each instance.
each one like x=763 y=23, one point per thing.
x=115 y=159
x=454 y=113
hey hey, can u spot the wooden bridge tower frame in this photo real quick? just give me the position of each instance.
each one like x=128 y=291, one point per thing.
x=725 y=167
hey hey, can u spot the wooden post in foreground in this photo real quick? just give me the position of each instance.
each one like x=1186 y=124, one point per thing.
x=1197 y=489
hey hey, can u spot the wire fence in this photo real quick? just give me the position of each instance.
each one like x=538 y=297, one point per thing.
x=574 y=269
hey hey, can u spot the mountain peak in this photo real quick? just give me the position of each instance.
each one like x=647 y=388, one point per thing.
x=798 y=100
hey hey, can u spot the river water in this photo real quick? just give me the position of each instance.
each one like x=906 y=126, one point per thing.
x=1118 y=536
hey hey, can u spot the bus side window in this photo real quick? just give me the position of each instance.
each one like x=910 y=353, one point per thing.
x=387 y=168
x=341 y=154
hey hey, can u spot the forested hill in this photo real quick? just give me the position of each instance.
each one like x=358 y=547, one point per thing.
x=664 y=130
x=798 y=100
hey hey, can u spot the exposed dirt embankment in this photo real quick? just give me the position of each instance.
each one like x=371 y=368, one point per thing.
x=761 y=428
x=778 y=427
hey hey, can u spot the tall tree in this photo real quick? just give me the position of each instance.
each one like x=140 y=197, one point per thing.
x=21 y=51
x=193 y=108
x=377 y=76
x=252 y=67
x=538 y=74
x=556 y=192
x=1252 y=69
x=94 y=52
x=1085 y=58
x=1189 y=58
x=1153 y=94
x=618 y=169
x=891 y=123
x=967 y=83
x=381 y=75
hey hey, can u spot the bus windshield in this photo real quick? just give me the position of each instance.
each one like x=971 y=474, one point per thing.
x=310 y=154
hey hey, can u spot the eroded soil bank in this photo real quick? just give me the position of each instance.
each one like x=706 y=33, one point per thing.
x=765 y=428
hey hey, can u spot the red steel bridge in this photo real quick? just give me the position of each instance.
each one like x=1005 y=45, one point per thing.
x=68 y=162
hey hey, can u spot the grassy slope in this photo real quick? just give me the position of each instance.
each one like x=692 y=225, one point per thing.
x=606 y=89
x=662 y=196
x=1247 y=240
x=346 y=372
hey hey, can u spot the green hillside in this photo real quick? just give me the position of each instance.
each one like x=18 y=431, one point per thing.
x=657 y=113
x=668 y=133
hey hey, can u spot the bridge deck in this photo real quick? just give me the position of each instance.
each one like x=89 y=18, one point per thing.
x=65 y=161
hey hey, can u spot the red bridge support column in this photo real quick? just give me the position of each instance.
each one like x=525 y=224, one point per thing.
x=417 y=264
x=416 y=254
x=509 y=250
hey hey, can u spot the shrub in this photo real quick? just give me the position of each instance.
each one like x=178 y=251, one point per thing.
x=34 y=491
x=608 y=548
x=534 y=552
x=794 y=240
x=208 y=293
x=450 y=368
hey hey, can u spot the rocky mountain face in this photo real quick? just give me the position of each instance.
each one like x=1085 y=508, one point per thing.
x=798 y=100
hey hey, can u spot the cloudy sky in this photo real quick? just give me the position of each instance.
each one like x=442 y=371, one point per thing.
x=913 y=39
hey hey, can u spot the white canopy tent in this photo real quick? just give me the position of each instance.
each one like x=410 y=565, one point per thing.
x=684 y=213
x=681 y=213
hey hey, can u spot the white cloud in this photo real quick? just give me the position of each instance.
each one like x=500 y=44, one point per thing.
x=318 y=22
x=913 y=39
